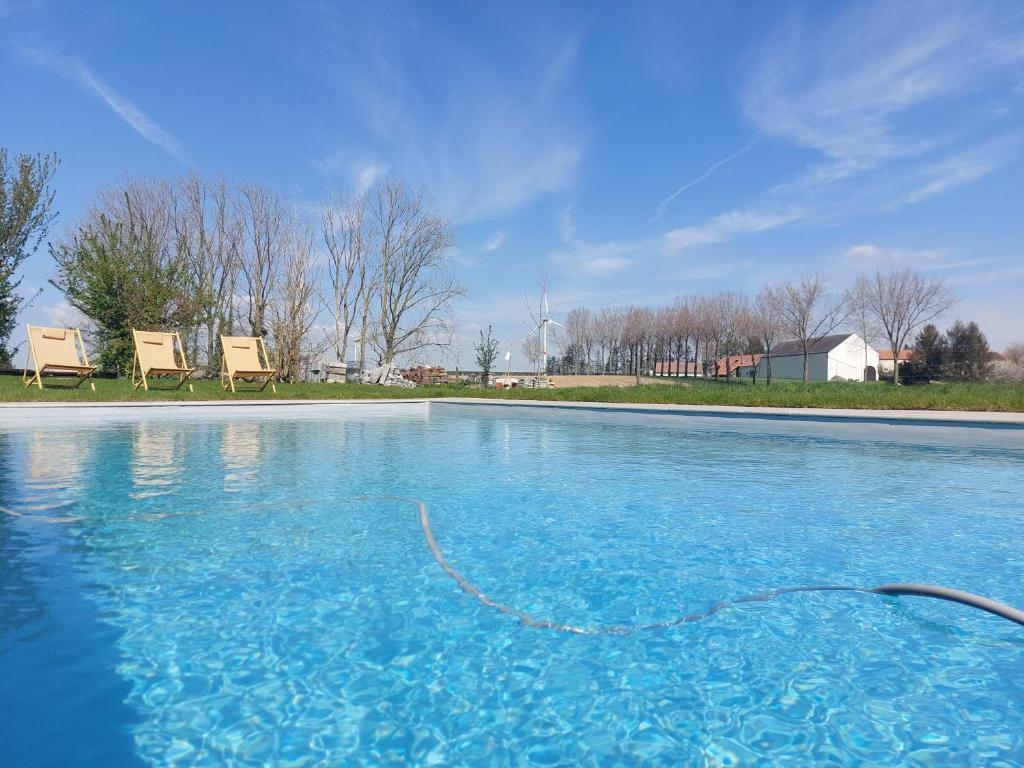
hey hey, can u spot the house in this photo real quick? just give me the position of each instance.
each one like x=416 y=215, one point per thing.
x=738 y=365
x=885 y=364
x=843 y=356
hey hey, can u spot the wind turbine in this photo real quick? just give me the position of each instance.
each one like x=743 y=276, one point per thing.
x=542 y=327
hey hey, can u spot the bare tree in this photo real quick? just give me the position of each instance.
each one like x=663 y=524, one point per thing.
x=578 y=338
x=533 y=350
x=728 y=309
x=264 y=216
x=295 y=305
x=682 y=330
x=415 y=291
x=209 y=236
x=704 y=329
x=862 y=319
x=348 y=237
x=767 y=322
x=608 y=329
x=901 y=301
x=637 y=331
x=1014 y=354
x=807 y=311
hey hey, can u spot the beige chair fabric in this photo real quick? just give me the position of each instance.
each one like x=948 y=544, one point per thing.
x=240 y=361
x=56 y=350
x=154 y=356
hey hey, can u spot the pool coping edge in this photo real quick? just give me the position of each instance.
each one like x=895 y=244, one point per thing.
x=921 y=417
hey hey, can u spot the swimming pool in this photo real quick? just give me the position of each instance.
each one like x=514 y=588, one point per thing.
x=236 y=586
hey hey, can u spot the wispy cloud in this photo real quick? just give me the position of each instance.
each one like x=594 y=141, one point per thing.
x=482 y=140
x=494 y=242
x=360 y=170
x=846 y=89
x=663 y=205
x=955 y=270
x=1011 y=272
x=367 y=174
x=964 y=168
x=871 y=256
x=726 y=225
x=599 y=259
x=76 y=72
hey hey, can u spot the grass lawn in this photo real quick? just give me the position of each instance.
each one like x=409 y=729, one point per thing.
x=784 y=394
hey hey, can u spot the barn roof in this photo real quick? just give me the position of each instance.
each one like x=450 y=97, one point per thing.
x=814 y=346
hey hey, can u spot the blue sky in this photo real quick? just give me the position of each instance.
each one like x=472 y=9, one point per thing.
x=635 y=151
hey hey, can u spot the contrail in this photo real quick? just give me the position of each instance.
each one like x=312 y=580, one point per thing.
x=694 y=182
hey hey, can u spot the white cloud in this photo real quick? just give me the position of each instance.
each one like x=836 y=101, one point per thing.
x=494 y=242
x=864 y=253
x=362 y=170
x=608 y=257
x=61 y=314
x=76 y=72
x=367 y=174
x=726 y=225
x=868 y=256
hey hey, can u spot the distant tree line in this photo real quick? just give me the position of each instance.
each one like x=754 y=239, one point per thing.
x=690 y=336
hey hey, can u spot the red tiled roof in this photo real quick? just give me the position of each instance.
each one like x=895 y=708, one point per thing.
x=886 y=354
x=736 y=362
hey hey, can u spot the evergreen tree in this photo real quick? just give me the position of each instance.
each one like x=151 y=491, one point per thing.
x=486 y=354
x=967 y=356
x=929 y=355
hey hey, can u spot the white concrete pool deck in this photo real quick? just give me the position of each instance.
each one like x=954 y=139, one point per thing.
x=966 y=418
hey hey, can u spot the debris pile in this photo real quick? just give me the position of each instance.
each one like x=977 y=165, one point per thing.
x=386 y=376
x=421 y=374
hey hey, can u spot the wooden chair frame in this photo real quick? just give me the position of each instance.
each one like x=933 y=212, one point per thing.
x=228 y=378
x=83 y=372
x=183 y=373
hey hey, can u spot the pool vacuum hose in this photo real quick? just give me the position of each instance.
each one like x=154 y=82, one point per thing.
x=894 y=590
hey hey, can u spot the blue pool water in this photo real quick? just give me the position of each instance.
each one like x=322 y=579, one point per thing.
x=228 y=587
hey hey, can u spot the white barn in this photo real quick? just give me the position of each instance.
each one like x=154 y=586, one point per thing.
x=842 y=356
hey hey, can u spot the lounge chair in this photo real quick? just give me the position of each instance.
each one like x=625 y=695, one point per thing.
x=57 y=350
x=154 y=356
x=240 y=361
